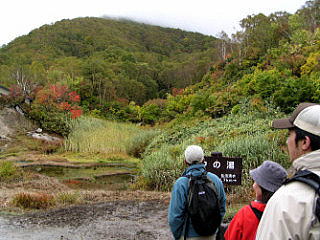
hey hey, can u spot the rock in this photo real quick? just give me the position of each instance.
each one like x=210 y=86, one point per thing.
x=38 y=130
x=43 y=136
x=11 y=121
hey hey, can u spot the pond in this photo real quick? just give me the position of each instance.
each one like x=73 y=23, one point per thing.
x=107 y=177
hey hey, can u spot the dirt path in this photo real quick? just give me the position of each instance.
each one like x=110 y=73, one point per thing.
x=109 y=220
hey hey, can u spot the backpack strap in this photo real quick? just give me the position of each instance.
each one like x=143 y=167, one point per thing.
x=312 y=180
x=186 y=227
x=256 y=212
x=307 y=177
x=189 y=197
x=186 y=221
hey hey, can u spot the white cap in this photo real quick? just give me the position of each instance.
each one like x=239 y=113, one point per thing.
x=194 y=154
x=309 y=120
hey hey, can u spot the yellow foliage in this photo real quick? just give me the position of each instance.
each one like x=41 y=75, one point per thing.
x=312 y=64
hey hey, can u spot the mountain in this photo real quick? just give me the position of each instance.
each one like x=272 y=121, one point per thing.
x=108 y=59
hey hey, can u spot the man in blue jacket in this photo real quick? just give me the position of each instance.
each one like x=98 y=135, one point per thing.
x=194 y=158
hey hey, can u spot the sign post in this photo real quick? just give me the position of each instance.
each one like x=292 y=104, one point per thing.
x=228 y=169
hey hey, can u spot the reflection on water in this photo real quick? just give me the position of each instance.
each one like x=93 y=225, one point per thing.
x=90 y=178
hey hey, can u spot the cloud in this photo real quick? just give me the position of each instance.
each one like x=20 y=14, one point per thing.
x=206 y=16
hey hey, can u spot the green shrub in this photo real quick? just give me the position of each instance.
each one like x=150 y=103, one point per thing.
x=293 y=91
x=150 y=113
x=137 y=145
x=68 y=198
x=175 y=105
x=8 y=171
x=51 y=120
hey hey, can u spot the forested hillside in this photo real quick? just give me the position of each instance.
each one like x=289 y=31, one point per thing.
x=107 y=60
x=140 y=73
x=274 y=60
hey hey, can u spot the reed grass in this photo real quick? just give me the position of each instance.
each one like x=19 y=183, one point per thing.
x=93 y=135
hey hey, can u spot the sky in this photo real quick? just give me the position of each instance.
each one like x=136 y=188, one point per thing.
x=210 y=17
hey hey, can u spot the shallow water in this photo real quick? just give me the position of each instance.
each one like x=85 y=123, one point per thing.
x=90 y=178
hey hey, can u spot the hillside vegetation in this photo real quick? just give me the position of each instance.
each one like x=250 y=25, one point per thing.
x=121 y=70
x=274 y=64
x=107 y=60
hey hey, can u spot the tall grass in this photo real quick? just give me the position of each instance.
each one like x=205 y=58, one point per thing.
x=137 y=144
x=100 y=136
x=246 y=135
x=253 y=150
x=161 y=168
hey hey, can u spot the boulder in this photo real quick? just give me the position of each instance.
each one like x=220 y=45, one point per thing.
x=12 y=121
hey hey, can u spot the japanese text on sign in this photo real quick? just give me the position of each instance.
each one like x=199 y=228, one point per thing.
x=228 y=169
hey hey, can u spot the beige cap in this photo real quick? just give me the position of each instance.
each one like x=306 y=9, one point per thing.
x=309 y=120
x=306 y=117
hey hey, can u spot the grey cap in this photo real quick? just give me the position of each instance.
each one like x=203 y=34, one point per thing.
x=269 y=175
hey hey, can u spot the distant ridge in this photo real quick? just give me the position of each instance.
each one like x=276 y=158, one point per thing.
x=127 y=56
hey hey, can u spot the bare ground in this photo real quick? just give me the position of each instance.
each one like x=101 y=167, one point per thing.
x=97 y=214
x=102 y=215
x=108 y=220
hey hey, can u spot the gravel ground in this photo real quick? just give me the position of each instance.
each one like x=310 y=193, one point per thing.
x=139 y=220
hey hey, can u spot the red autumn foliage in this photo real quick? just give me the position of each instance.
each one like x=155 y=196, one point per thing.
x=122 y=100
x=15 y=91
x=177 y=91
x=200 y=139
x=61 y=98
x=74 y=97
x=65 y=106
x=75 y=113
x=59 y=91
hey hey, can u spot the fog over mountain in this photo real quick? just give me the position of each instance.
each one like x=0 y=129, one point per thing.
x=204 y=16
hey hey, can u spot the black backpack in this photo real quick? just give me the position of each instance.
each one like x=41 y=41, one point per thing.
x=311 y=179
x=203 y=208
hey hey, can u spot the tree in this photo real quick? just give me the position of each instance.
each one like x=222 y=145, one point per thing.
x=258 y=35
x=54 y=107
x=311 y=14
x=22 y=76
x=223 y=43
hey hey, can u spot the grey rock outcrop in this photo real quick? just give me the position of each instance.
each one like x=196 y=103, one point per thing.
x=12 y=121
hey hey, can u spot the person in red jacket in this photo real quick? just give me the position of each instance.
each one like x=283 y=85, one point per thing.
x=268 y=177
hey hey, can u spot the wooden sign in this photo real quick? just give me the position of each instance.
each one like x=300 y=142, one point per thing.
x=228 y=169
